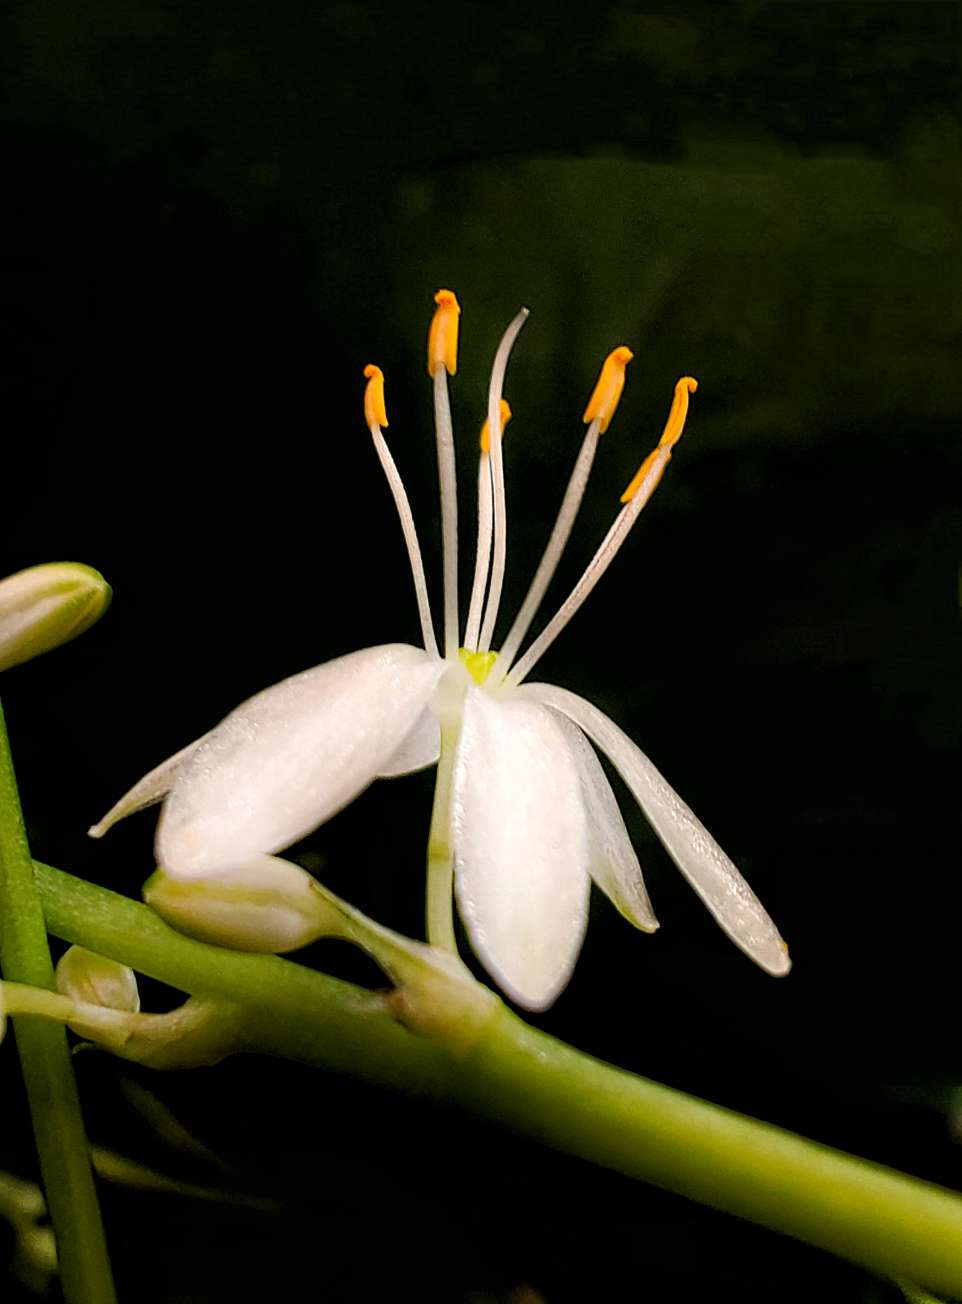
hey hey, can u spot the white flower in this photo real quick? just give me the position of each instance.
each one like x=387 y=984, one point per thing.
x=524 y=817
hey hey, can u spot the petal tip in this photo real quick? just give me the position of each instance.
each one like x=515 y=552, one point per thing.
x=532 y=1002
x=782 y=964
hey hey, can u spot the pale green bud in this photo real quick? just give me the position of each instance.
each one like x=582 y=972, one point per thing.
x=266 y=905
x=44 y=606
x=93 y=979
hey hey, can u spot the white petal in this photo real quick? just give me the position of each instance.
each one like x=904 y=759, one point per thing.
x=421 y=748
x=289 y=758
x=520 y=839
x=614 y=865
x=688 y=842
x=153 y=787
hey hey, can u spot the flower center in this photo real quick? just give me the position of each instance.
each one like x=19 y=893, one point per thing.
x=478 y=664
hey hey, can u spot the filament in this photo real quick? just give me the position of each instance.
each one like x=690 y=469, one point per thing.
x=410 y=533
x=556 y=545
x=497 y=478
x=635 y=498
x=449 y=510
x=482 y=560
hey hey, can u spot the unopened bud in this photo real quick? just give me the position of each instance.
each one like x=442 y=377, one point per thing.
x=265 y=905
x=93 y=979
x=44 y=606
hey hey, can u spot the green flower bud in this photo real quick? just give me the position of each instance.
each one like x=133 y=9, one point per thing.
x=265 y=905
x=95 y=980
x=44 y=606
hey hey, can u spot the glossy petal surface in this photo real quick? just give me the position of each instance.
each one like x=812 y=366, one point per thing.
x=521 y=853
x=288 y=759
x=420 y=748
x=614 y=865
x=696 y=853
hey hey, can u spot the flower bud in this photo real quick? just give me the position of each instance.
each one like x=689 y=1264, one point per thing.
x=44 y=606
x=266 y=905
x=95 y=980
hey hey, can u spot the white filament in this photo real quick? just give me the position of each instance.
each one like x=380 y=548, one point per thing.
x=482 y=561
x=449 y=509
x=556 y=546
x=596 y=568
x=410 y=533
x=497 y=478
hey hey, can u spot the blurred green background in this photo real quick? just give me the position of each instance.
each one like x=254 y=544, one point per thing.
x=214 y=215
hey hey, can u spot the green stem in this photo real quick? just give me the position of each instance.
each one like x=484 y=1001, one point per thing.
x=47 y=1071
x=440 y=887
x=519 y=1077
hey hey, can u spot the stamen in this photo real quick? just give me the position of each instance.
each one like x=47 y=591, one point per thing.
x=609 y=386
x=497 y=478
x=482 y=560
x=375 y=415
x=442 y=362
x=607 y=392
x=651 y=472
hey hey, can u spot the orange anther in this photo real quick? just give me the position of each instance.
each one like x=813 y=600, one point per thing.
x=642 y=471
x=679 y=411
x=670 y=436
x=375 y=413
x=607 y=392
x=443 y=335
x=485 y=429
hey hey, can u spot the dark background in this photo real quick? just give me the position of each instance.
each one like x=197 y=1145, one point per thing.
x=213 y=217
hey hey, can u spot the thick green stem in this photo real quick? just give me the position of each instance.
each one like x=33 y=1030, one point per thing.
x=519 y=1077
x=862 y=1211
x=47 y=1071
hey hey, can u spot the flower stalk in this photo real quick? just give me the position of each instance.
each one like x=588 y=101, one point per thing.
x=439 y=898
x=45 y=1060
x=521 y=1078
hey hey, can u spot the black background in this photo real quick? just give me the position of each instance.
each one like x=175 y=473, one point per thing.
x=213 y=217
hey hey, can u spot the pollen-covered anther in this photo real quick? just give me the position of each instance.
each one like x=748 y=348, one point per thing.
x=505 y=416
x=642 y=472
x=607 y=392
x=675 y=424
x=670 y=436
x=443 y=335
x=375 y=413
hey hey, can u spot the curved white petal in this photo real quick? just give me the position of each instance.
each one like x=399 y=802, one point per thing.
x=520 y=838
x=153 y=787
x=688 y=842
x=614 y=865
x=420 y=748
x=289 y=758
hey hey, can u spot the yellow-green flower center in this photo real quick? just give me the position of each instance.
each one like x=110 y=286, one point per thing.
x=477 y=664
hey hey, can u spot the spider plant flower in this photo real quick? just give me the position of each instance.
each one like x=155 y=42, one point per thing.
x=524 y=818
